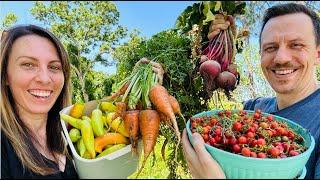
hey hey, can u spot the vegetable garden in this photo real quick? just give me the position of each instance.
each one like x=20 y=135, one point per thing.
x=200 y=74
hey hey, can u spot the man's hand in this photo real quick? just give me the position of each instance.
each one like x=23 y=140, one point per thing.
x=220 y=23
x=199 y=161
x=156 y=67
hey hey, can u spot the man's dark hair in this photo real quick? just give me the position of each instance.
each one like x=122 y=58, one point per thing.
x=291 y=8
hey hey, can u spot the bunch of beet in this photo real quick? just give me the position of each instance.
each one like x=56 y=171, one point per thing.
x=216 y=63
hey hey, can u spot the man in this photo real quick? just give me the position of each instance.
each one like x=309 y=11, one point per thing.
x=290 y=51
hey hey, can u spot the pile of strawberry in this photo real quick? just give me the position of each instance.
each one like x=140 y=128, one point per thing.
x=248 y=134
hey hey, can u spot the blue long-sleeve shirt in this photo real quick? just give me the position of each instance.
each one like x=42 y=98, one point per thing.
x=306 y=113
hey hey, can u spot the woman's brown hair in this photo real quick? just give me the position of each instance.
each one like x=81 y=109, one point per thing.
x=12 y=126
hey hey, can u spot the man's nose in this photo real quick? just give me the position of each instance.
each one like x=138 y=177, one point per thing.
x=282 y=56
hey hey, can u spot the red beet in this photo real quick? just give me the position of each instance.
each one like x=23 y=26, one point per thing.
x=226 y=80
x=210 y=69
x=233 y=69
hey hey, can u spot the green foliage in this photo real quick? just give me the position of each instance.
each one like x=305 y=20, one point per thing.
x=8 y=20
x=172 y=51
x=85 y=24
x=252 y=81
x=202 y=14
x=89 y=31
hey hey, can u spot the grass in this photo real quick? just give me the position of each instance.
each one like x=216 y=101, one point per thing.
x=156 y=167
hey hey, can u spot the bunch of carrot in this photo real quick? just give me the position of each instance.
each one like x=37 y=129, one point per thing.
x=144 y=105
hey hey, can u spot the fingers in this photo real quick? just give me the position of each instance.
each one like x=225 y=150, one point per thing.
x=211 y=168
x=213 y=34
x=198 y=144
x=191 y=156
x=156 y=67
x=221 y=26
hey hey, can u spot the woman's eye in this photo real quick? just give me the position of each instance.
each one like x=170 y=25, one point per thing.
x=28 y=65
x=55 y=68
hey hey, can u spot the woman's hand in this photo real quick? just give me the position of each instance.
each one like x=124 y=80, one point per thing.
x=220 y=23
x=199 y=161
x=156 y=67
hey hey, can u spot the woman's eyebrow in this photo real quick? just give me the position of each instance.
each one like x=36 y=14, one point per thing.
x=35 y=59
x=29 y=57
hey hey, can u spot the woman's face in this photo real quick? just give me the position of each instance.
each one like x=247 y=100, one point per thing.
x=35 y=74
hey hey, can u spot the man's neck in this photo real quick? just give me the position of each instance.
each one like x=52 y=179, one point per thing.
x=285 y=100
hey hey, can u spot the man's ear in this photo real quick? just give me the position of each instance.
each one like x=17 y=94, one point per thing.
x=317 y=62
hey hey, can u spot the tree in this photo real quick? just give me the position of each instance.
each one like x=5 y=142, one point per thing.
x=89 y=30
x=255 y=10
x=8 y=21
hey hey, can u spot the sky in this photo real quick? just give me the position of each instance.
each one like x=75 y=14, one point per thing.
x=149 y=17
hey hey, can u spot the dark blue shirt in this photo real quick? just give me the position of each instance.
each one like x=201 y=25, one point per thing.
x=306 y=113
x=12 y=168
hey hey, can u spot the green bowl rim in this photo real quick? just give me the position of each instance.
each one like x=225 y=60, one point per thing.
x=306 y=153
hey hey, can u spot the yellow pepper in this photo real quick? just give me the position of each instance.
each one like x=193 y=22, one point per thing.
x=88 y=137
x=71 y=120
x=117 y=124
x=108 y=106
x=77 y=110
x=96 y=122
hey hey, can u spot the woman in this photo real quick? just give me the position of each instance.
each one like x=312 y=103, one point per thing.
x=35 y=85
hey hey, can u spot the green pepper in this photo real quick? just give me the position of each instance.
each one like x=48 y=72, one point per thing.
x=88 y=137
x=86 y=117
x=74 y=134
x=97 y=123
x=71 y=120
x=81 y=147
x=111 y=149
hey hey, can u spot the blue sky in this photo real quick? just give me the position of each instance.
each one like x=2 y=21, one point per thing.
x=149 y=17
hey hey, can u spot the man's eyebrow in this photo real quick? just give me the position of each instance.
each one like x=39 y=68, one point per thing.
x=268 y=43
x=296 y=39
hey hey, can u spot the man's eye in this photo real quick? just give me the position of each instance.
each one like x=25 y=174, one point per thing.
x=270 y=49
x=296 y=45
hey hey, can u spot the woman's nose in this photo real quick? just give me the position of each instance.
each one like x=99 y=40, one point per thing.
x=43 y=76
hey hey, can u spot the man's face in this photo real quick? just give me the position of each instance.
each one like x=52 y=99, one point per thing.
x=289 y=53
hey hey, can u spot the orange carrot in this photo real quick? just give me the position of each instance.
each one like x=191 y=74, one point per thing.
x=149 y=122
x=159 y=96
x=120 y=110
x=131 y=123
x=120 y=92
x=176 y=107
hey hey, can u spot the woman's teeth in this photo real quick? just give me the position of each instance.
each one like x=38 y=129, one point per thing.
x=40 y=93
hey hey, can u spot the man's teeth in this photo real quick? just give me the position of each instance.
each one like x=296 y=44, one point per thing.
x=40 y=93
x=283 y=72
